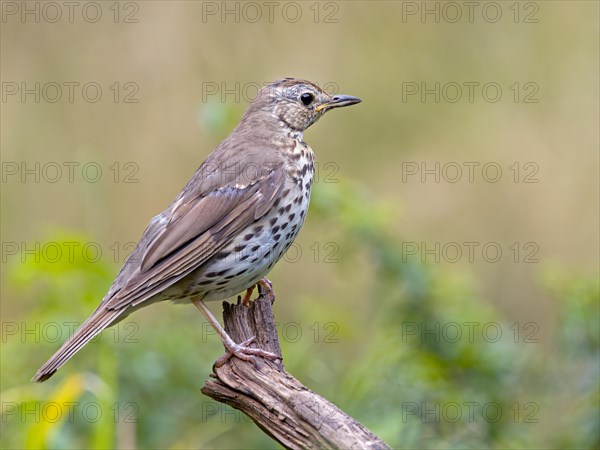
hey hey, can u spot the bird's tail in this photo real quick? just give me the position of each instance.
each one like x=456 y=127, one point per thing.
x=100 y=319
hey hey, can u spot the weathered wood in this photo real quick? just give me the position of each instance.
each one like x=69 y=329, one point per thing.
x=279 y=404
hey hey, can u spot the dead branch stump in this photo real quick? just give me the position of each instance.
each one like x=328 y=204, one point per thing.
x=279 y=404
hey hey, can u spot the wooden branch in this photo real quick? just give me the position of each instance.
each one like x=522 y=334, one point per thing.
x=279 y=404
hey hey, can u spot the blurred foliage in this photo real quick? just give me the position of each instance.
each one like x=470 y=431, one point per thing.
x=420 y=379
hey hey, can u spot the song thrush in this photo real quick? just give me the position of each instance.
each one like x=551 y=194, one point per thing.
x=229 y=225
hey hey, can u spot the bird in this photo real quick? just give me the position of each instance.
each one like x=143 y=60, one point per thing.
x=231 y=223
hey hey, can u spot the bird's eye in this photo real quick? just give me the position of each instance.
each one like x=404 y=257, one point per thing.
x=307 y=98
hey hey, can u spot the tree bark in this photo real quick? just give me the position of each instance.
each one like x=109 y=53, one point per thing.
x=279 y=404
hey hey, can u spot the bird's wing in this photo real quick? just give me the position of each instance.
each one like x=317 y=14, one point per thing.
x=203 y=219
x=197 y=229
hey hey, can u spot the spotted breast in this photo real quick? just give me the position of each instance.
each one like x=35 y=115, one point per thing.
x=254 y=252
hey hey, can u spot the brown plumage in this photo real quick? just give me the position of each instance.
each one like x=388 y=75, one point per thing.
x=221 y=234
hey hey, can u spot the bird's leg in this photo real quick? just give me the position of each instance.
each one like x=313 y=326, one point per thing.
x=263 y=285
x=240 y=350
x=247 y=295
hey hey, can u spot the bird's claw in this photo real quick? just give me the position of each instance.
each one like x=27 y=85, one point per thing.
x=243 y=352
x=265 y=287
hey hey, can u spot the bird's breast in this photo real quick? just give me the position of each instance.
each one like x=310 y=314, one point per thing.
x=300 y=165
x=254 y=252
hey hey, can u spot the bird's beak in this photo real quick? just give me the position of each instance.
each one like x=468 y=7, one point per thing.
x=338 y=101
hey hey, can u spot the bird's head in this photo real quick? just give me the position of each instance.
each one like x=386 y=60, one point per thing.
x=297 y=103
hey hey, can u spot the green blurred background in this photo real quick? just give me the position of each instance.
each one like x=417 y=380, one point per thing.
x=426 y=347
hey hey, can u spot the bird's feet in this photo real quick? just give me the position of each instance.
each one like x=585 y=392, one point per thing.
x=243 y=352
x=265 y=287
